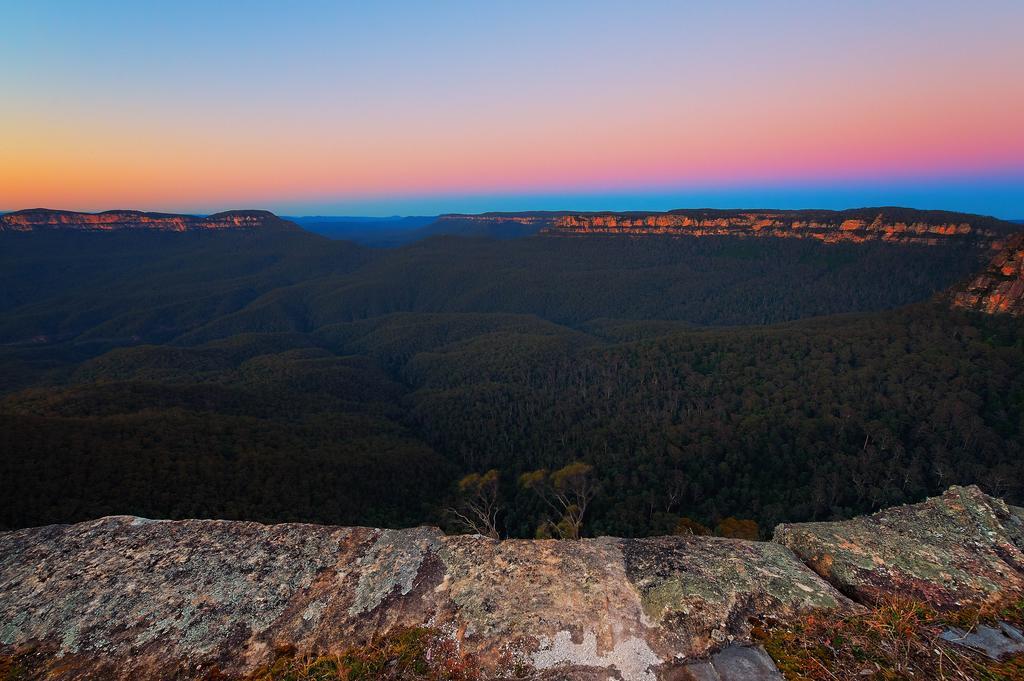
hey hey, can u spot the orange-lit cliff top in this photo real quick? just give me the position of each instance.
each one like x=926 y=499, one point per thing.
x=999 y=288
x=901 y=225
x=43 y=219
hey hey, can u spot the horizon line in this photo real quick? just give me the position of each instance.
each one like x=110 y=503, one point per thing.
x=394 y=216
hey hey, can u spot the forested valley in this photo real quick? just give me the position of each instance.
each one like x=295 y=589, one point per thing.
x=694 y=382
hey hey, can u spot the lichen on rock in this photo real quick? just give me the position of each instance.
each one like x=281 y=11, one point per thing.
x=392 y=565
x=960 y=549
x=125 y=598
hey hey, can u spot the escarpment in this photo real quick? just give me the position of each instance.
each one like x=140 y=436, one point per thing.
x=123 y=597
x=999 y=288
x=888 y=224
x=41 y=219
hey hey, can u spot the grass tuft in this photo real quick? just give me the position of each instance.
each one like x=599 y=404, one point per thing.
x=409 y=654
x=897 y=640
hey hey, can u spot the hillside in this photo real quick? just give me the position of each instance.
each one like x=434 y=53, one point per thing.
x=124 y=597
x=97 y=285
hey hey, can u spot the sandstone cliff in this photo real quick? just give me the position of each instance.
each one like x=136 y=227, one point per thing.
x=1000 y=286
x=896 y=225
x=41 y=219
x=123 y=597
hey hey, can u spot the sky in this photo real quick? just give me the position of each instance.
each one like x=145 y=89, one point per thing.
x=380 y=108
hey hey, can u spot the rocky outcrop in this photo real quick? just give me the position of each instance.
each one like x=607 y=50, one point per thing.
x=42 y=219
x=999 y=288
x=123 y=597
x=155 y=598
x=958 y=550
x=895 y=225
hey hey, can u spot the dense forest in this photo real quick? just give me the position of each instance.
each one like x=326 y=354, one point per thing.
x=289 y=377
x=192 y=287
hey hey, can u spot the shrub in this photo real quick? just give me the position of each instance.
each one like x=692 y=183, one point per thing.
x=736 y=528
x=691 y=526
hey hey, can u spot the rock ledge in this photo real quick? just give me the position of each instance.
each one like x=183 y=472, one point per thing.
x=123 y=597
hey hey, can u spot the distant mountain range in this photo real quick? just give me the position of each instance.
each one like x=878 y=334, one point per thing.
x=887 y=223
x=891 y=224
x=997 y=288
x=44 y=219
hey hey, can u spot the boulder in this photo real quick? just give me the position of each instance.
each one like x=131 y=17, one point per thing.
x=963 y=549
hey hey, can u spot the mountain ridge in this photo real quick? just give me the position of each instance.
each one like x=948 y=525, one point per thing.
x=47 y=219
x=887 y=223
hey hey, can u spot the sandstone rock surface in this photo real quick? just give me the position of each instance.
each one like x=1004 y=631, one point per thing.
x=167 y=598
x=999 y=288
x=128 y=598
x=996 y=642
x=961 y=549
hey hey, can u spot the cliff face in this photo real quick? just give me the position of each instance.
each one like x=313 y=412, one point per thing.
x=124 y=597
x=1000 y=286
x=41 y=219
x=897 y=225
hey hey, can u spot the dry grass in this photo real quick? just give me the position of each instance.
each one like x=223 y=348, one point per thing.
x=11 y=669
x=411 y=654
x=897 y=640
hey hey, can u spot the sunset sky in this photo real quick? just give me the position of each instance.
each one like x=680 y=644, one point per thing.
x=382 y=107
